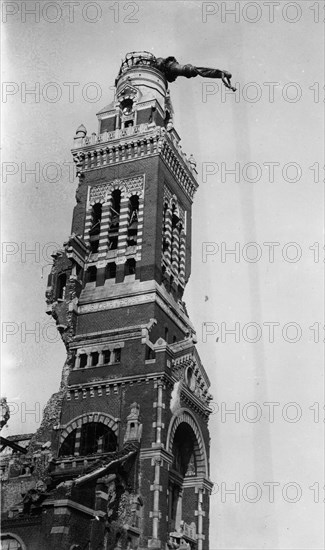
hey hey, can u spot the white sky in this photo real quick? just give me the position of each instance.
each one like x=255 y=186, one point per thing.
x=220 y=131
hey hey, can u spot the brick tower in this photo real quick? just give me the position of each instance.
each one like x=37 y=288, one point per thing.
x=125 y=440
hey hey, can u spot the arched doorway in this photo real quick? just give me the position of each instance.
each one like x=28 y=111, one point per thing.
x=185 y=442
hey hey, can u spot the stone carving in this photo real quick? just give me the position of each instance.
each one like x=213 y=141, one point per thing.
x=134 y=428
x=103 y=192
x=113 y=304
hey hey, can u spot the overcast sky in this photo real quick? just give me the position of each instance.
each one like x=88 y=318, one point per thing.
x=270 y=132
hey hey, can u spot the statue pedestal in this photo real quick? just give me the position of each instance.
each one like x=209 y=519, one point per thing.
x=154 y=543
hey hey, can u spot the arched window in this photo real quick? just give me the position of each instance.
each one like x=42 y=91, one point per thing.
x=184 y=450
x=95 y=227
x=133 y=220
x=130 y=267
x=10 y=542
x=127 y=106
x=68 y=445
x=115 y=220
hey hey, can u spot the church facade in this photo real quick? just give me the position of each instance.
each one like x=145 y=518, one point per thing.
x=121 y=459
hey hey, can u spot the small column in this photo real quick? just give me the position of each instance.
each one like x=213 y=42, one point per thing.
x=104 y=226
x=88 y=223
x=155 y=514
x=140 y=225
x=182 y=252
x=168 y=236
x=77 y=442
x=159 y=405
x=123 y=225
x=179 y=510
x=199 y=513
x=175 y=250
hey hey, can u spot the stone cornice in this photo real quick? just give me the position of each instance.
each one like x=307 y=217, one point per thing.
x=156 y=453
x=127 y=145
x=120 y=381
x=194 y=402
x=142 y=295
x=67 y=503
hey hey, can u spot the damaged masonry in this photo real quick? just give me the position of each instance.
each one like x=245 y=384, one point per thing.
x=121 y=458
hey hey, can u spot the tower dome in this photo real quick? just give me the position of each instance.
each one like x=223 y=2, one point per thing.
x=139 y=69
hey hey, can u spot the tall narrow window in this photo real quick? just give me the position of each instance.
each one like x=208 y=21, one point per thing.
x=133 y=220
x=94 y=232
x=117 y=355
x=110 y=271
x=165 y=242
x=106 y=356
x=130 y=267
x=62 y=282
x=94 y=358
x=115 y=220
x=91 y=274
x=83 y=360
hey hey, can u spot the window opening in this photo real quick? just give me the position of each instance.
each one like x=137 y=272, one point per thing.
x=130 y=266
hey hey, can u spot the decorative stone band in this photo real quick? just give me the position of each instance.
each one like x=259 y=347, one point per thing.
x=127 y=186
x=175 y=314
x=121 y=135
x=113 y=385
x=66 y=503
x=154 y=141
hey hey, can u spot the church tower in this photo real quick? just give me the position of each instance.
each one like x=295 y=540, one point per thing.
x=128 y=430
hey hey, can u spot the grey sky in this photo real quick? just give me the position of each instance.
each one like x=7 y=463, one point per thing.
x=220 y=130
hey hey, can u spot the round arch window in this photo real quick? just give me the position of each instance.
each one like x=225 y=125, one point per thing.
x=190 y=378
x=184 y=450
x=9 y=542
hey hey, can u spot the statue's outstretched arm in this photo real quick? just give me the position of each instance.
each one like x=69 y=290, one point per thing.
x=172 y=69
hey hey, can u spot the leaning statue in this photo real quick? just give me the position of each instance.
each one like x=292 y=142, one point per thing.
x=172 y=69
